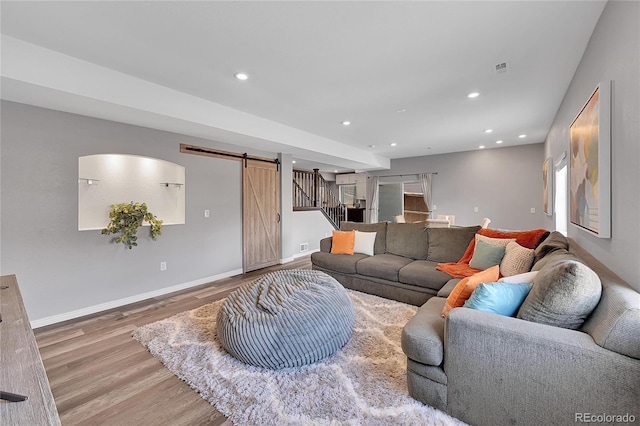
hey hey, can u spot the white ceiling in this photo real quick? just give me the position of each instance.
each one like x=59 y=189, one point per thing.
x=170 y=65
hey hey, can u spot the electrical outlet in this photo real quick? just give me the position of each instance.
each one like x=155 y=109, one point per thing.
x=207 y=213
x=475 y=210
x=533 y=209
x=163 y=266
x=304 y=247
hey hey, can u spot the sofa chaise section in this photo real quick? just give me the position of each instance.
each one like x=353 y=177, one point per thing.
x=488 y=369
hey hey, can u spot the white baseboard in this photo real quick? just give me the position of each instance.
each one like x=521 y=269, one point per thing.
x=303 y=254
x=287 y=260
x=54 y=319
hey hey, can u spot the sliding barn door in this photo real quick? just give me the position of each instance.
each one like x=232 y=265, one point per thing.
x=261 y=215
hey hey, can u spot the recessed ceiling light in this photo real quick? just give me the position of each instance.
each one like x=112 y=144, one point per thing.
x=401 y=110
x=481 y=147
x=335 y=171
x=488 y=131
x=372 y=146
x=393 y=144
x=498 y=142
x=346 y=123
x=522 y=136
x=241 y=76
x=293 y=161
x=473 y=95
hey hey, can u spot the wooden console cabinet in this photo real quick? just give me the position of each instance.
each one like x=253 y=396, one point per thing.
x=22 y=371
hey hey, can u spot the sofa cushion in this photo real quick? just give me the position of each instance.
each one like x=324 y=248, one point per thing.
x=615 y=323
x=379 y=228
x=385 y=266
x=337 y=262
x=423 y=273
x=554 y=241
x=407 y=239
x=564 y=294
x=423 y=336
x=449 y=244
x=446 y=290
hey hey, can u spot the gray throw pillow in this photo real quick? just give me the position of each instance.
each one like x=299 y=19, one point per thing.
x=449 y=244
x=486 y=255
x=564 y=294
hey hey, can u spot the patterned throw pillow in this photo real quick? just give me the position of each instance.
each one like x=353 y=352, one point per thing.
x=516 y=260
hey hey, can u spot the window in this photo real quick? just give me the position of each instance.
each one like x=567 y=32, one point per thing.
x=348 y=195
x=560 y=201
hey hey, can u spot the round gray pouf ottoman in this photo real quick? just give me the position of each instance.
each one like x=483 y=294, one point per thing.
x=286 y=319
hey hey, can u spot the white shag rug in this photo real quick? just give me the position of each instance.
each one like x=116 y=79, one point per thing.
x=363 y=384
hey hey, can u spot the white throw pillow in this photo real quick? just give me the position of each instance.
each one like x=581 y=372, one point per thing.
x=516 y=260
x=364 y=242
x=526 y=278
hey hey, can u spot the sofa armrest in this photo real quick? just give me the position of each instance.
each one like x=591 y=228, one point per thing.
x=325 y=244
x=505 y=368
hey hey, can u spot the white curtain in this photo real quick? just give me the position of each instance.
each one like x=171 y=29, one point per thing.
x=372 y=199
x=425 y=183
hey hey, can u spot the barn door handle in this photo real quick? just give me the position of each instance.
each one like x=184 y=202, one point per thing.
x=278 y=217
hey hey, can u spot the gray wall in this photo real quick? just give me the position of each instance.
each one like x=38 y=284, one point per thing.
x=504 y=183
x=612 y=54
x=61 y=269
x=309 y=227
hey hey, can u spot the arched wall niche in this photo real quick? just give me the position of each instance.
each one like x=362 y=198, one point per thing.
x=106 y=179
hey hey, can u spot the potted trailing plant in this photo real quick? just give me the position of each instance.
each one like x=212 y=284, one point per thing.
x=126 y=218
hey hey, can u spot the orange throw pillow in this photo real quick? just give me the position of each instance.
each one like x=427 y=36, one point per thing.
x=343 y=242
x=465 y=287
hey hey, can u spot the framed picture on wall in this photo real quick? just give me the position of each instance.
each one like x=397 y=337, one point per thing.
x=547 y=186
x=590 y=164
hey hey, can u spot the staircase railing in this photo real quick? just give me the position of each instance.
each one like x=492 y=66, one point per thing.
x=312 y=192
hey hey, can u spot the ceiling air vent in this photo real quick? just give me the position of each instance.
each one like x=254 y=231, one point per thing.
x=501 y=67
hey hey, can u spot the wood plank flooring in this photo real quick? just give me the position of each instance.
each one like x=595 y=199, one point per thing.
x=99 y=375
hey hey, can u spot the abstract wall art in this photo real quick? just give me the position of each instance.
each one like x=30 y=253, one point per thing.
x=590 y=164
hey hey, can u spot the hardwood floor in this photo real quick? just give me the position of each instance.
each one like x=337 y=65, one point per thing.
x=100 y=375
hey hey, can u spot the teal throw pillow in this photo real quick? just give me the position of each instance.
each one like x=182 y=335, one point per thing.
x=499 y=298
x=486 y=255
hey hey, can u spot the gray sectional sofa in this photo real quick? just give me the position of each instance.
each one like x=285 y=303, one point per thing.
x=488 y=369
x=403 y=267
